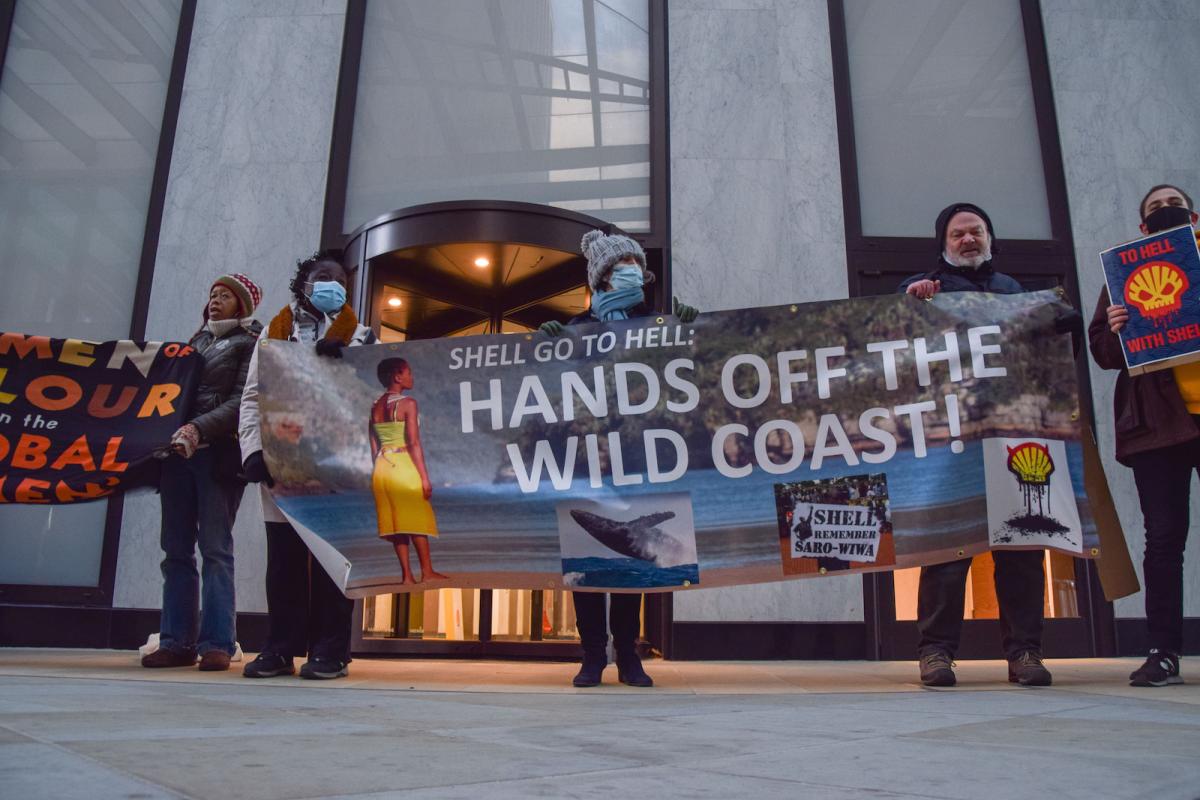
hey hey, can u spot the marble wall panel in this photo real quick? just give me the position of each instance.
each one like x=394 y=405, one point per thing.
x=756 y=206
x=1124 y=79
x=838 y=599
x=245 y=194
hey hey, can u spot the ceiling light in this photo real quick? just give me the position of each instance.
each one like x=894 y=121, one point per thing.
x=482 y=262
x=395 y=302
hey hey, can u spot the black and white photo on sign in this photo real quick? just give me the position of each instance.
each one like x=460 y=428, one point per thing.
x=1030 y=498
x=641 y=541
x=849 y=533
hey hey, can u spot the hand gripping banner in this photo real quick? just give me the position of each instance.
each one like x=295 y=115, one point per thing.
x=79 y=420
x=749 y=446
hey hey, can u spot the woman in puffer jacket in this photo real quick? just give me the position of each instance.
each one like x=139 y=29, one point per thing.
x=201 y=490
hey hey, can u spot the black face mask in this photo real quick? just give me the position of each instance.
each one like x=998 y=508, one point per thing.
x=1168 y=217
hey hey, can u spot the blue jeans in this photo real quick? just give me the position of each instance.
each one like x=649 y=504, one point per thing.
x=196 y=509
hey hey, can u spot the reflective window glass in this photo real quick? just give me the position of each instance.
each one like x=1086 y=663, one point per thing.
x=81 y=105
x=943 y=112
x=541 y=101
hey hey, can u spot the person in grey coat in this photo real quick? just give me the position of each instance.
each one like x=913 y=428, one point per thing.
x=201 y=490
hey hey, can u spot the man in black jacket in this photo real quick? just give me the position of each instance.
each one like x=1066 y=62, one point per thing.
x=1158 y=435
x=966 y=239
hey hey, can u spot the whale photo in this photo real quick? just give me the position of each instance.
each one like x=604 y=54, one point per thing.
x=636 y=543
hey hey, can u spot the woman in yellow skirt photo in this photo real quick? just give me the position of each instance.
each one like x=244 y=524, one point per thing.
x=399 y=481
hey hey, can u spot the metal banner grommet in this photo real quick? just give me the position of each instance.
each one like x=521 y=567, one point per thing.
x=960 y=553
x=822 y=570
x=660 y=320
x=1095 y=551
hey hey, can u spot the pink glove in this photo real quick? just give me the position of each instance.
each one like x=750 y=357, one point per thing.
x=186 y=440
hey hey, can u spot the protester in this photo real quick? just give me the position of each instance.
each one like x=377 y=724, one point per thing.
x=201 y=491
x=307 y=613
x=966 y=241
x=1157 y=425
x=616 y=274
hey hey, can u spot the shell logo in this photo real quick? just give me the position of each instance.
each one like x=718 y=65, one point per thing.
x=1031 y=463
x=1156 y=289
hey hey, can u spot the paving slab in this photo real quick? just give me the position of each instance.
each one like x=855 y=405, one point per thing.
x=89 y=725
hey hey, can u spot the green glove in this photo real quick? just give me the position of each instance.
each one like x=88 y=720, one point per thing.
x=551 y=328
x=685 y=312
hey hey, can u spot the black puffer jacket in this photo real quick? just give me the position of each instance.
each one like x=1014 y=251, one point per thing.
x=963 y=279
x=226 y=358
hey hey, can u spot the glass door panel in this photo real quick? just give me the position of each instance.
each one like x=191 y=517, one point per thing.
x=1061 y=599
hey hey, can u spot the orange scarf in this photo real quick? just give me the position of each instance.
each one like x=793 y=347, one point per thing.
x=343 y=327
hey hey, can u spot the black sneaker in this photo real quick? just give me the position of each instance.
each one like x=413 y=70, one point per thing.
x=323 y=669
x=1161 y=669
x=1027 y=669
x=937 y=669
x=268 y=665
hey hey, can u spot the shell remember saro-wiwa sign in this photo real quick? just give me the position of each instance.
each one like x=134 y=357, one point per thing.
x=749 y=446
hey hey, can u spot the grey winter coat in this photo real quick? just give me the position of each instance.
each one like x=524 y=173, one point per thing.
x=226 y=359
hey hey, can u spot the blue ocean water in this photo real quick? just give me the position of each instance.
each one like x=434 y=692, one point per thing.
x=518 y=532
x=717 y=501
x=627 y=573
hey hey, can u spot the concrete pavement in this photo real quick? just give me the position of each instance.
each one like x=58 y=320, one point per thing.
x=92 y=724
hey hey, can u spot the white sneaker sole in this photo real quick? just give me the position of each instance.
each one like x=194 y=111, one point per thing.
x=1173 y=680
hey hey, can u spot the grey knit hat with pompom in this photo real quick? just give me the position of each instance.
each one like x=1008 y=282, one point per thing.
x=602 y=252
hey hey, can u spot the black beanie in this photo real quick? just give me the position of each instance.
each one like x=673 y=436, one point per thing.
x=943 y=220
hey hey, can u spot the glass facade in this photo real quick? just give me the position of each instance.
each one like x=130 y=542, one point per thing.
x=540 y=101
x=944 y=112
x=81 y=107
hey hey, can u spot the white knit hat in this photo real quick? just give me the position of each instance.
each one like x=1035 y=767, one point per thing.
x=602 y=252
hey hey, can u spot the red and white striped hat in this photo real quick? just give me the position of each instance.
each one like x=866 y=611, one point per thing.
x=244 y=289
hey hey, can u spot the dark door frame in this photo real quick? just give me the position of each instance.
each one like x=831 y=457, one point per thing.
x=101 y=595
x=879 y=263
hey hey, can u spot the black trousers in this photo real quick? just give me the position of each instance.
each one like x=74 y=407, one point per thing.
x=308 y=614
x=1020 y=577
x=624 y=619
x=1164 y=483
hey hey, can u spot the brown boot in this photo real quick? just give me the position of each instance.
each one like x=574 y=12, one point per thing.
x=169 y=658
x=214 y=661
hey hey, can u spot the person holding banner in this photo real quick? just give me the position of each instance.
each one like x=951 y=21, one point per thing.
x=616 y=274
x=399 y=480
x=965 y=239
x=200 y=489
x=1157 y=416
x=307 y=613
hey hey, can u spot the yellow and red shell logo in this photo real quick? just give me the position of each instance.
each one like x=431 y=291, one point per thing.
x=1031 y=463
x=1156 y=289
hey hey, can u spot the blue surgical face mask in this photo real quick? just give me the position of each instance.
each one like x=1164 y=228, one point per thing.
x=327 y=296
x=627 y=276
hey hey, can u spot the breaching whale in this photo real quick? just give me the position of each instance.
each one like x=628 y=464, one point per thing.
x=638 y=538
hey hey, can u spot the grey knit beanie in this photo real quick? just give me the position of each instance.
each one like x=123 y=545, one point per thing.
x=602 y=252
